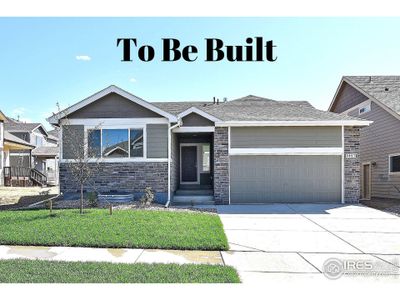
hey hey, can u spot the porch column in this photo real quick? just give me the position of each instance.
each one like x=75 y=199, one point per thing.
x=221 y=165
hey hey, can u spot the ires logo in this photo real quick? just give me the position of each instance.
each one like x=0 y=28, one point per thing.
x=255 y=50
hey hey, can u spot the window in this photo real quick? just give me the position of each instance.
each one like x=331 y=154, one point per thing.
x=205 y=150
x=394 y=163
x=136 y=142
x=364 y=109
x=94 y=140
x=39 y=141
x=115 y=143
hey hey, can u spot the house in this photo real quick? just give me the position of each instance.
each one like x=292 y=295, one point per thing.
x=375 y=98
x=248 y=150
x=43 y=158
x=10 y=143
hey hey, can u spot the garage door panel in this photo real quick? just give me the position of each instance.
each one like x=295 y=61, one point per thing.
x=269 y=179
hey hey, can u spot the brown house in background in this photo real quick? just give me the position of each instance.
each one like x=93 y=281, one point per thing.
x=375 y=98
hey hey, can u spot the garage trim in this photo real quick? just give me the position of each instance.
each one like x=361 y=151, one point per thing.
x=287 y=151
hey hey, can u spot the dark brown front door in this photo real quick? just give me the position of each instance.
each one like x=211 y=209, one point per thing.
x=189 y=163
x=366 y=182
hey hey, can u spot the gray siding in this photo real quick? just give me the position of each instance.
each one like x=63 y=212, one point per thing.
x=379 y=140
x=23 y=136
x=347 y=98
x=196 y=120
x=72 y=141
x=263 y=179
x=277 y=137
x=113 y=106
x=157 y=141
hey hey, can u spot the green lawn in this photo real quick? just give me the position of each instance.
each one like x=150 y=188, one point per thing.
x=36 y=271
x=123 y=229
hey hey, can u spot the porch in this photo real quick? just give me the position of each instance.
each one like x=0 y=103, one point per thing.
x=192 y=168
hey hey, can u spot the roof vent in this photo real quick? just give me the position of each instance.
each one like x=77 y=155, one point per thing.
x=386 y=89
x=225 y=99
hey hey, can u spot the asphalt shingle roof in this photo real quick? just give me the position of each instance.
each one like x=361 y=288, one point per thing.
x=12 y=138
x=46 y=151
x=19 y=126
x=385 y=89
x=253 y=108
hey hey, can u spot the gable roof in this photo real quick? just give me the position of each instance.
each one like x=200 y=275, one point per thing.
x=257 y=109
x=111 y=89
x=16 y=140
x=12 y=125
x=251 y=109
x=385 y=90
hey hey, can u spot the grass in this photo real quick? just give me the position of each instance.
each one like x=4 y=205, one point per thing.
x=37 y=271
x=123 y=229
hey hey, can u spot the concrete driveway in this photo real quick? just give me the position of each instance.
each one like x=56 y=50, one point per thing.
x=293 y=241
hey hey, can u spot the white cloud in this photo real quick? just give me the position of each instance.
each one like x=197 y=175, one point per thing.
x=132 y=79
x=83 y=57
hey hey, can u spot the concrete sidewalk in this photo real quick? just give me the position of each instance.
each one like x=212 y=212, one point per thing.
x=113 y=255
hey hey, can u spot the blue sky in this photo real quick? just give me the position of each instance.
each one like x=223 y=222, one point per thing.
x=39 y=65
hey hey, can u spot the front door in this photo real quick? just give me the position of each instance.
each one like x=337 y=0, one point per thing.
x=366 y=181
x=189 y=164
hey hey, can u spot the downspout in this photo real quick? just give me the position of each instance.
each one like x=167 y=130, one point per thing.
x=178 y=124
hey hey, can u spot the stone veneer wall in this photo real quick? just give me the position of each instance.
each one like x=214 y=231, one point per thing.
x=352 y=165
x=221 y=166
x=131 y=177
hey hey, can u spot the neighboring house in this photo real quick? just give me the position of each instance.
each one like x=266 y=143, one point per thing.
x=249 y=150
x=375 y=98
x=10 y=143
x=2 y=119
x=43 y=158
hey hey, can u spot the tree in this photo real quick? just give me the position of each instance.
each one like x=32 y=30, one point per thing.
x=83 y=160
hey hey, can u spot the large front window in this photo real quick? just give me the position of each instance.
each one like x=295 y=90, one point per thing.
x=115 y=143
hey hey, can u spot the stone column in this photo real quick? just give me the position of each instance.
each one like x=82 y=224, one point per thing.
x=351 y=164
x=221 y=166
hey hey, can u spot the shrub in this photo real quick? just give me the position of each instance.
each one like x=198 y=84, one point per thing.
x=148 y=197
x=92 y=199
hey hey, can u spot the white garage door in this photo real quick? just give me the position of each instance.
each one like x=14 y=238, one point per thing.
x=285 y=178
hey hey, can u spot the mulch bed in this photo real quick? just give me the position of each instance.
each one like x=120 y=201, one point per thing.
x=75 y=204
x=387 y=205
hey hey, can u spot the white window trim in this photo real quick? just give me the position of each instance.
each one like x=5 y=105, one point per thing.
x=389 y=164
x=366 y=106
x=114 y=121
x=119 y=159
x=287 y=151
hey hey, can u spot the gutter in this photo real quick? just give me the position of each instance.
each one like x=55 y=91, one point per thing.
x=179 y=124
